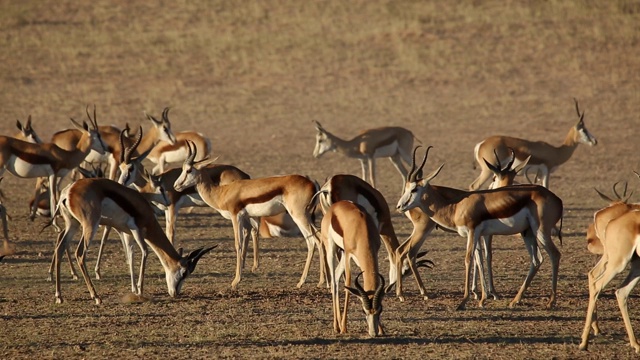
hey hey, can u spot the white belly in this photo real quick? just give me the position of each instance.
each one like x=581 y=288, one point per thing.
x=387 y=150
x=272 y=207
x=515 y=224
x=23 y=169
x=175 y=156
x=115 y=216
x=278 y=231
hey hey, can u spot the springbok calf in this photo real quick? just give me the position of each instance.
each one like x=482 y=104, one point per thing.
x=242 y=200
x=176 y=152
x=348 y=228
x=392 y=142
x=529 y=210
x=88 y=203
x=27 y=160
x=351 y=188
x=544 y=157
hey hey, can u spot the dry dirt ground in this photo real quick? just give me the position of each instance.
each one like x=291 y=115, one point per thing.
x=251 y=75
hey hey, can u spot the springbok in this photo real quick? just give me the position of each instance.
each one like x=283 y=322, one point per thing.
x=394 y=143
x=529 y=210
x=544 y=157
x=242 y=200
x=349 y=229
x=87 y=203
x=27 y=160
x=176 y=152
x=350 y=187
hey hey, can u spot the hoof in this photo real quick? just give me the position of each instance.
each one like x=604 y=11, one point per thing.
x=59 y=300
x=98 y=300
x=401 y=298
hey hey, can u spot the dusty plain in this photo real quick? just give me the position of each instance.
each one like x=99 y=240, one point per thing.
x=252 y=75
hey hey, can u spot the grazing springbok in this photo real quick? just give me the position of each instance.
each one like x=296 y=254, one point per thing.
x=244 y=199
x=176 y=152
x=352 y=188
x=394 y=143
x=529 y=210
x=27 y=160
x=87 y=203
x=348 y=228
x=544 y=157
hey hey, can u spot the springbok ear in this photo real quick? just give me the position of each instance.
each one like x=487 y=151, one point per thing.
x=318 y=125
x=522 y=165
x=490 y=166
x=433 y=174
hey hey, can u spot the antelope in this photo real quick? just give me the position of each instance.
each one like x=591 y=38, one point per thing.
x=348 y=228
x=175 y=152
x=596 y=230
x=160 y=131
x=529 y=210
x=394 y=143
x=349 y=187
x=246 y=198
x=27 y=133
x=28 y=160
x=502 y=176
x=621 y=248
x=88 y=203
x=544 y=157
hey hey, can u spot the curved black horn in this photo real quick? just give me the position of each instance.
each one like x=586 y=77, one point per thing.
x=624 y=192
x=511 y=161
x=133 y=147
x=195 y=255
x=165 y=114
x=424 y=161
x=122 y=147
x=377 y=296
x=191 y=152
x=358 y=289
x=94 y=121
x=578 y=108
x=411 y=177
x=603 y=196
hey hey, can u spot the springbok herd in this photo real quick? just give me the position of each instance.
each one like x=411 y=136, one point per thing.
x=355 y=219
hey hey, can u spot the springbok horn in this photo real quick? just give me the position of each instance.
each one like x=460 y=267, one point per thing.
x=511 y=161
x=577 y=108
x=165 y=114
x=603 y=196
x=363 y=294
x=195 y=256
x=411 y=177
x=377 y=296
x=191 y=152
x=133 y=147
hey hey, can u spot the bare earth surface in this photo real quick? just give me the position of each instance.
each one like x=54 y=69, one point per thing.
x=252 y=75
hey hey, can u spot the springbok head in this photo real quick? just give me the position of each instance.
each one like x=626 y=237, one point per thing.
x=416 y=184
x=583 y=135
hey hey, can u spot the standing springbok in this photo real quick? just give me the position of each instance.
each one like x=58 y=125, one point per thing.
x=351 y=188
x=27 y=160
x=621 y=246
x=392 y=142
x=87 y=203
x=242 y=200
x=529 y=210
x=544 y=157
x=349 y=229
x=176 y=152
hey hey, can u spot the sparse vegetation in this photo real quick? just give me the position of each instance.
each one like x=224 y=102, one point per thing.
x=252 y=75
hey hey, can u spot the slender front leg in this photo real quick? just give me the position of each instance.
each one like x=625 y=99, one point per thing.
x=103 y=240
x=372 y=171
x=365 y=168
x=467 y=273
x=143 y=261
x=347 y=282
x=622 y=294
